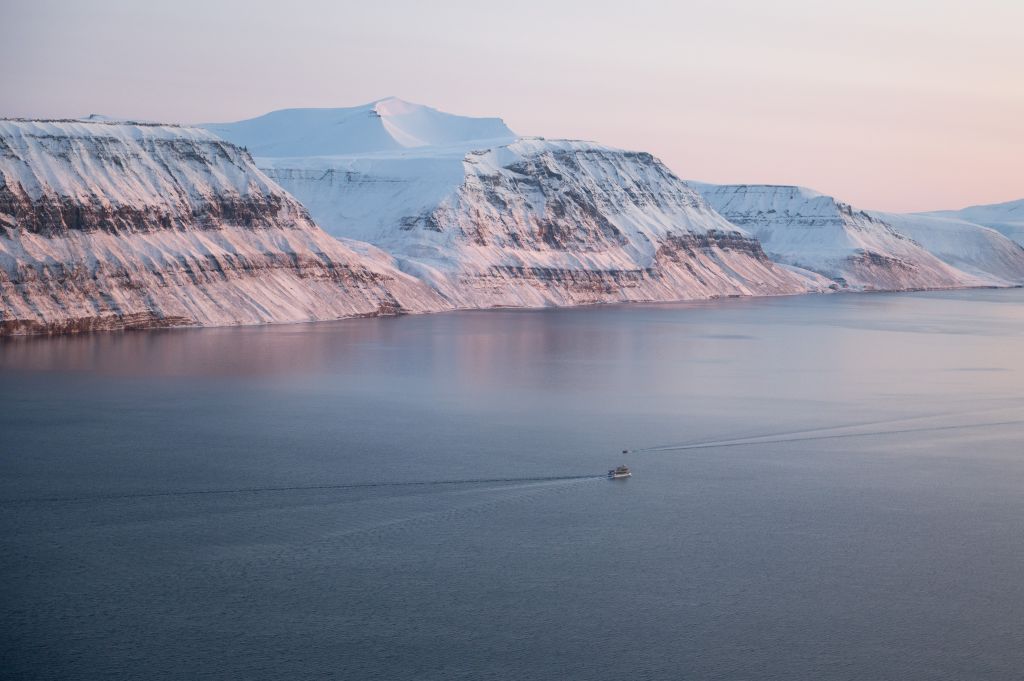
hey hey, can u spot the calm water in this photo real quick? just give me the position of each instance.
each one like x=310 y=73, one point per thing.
x=834 y=490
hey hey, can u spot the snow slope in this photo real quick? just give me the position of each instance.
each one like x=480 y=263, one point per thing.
x=535 y=223
x=801 y=227
x=106 y=226
x=1006 y=218
x=385 y=125
x=981 y=252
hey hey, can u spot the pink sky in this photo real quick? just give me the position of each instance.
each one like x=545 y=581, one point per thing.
x=890 y=105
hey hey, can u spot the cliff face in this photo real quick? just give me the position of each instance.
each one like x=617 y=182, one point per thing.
x=855 y=249
x=536 y=222
x=116 y=226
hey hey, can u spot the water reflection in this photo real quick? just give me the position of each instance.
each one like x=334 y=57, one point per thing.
x=768 y=346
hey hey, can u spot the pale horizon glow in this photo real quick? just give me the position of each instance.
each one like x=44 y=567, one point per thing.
x=899 y=105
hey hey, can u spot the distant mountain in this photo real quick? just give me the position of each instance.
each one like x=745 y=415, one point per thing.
x=1007 y=218
x=112 y=225
x=512 y=222
x=988 y=256
x=385 y=125
x=856 y=249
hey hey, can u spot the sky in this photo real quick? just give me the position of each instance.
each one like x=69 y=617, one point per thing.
x=888 y=104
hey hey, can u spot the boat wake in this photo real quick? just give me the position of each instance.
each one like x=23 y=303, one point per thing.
x=836 y=432
x=300 y=488
x=373 y=528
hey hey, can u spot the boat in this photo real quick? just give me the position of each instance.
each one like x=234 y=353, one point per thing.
x=620 y=472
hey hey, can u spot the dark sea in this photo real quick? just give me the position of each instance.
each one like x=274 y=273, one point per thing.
x=825 y=487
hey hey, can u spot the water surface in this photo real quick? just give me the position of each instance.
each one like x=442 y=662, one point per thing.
x=825 y=487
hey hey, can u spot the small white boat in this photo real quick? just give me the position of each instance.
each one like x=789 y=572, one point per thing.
x=620 y=472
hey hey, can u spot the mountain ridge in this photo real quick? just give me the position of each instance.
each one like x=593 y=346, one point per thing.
x=108 y=224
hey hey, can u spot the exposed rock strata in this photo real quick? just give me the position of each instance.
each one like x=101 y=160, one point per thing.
x=537 y=222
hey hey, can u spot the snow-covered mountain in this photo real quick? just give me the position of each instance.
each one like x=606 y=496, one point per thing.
x=385 y=125
x=1006 y=218
x=988 y=256
x=854 y=248
x=524 y=222
x=107 y=225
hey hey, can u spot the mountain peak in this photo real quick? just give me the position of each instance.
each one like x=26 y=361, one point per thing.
x=389 y=124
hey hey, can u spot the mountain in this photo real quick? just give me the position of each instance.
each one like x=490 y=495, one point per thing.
x=112 y=225
x=857 y=250
x=1006 y=218
x=520 y=222
x=988 y=256
x=385 y=125
x=537 y=222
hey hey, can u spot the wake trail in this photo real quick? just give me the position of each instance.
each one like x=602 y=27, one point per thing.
x=828 y=431
x=836 y=436
x=293 y=488
x=457 y=512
